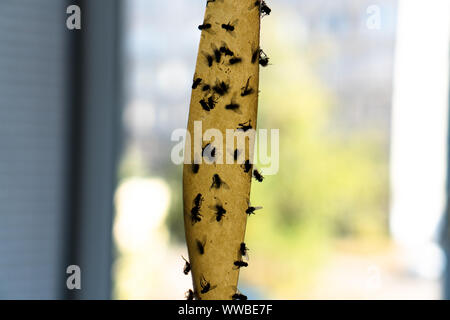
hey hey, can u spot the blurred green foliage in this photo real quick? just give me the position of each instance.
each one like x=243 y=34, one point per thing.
x=329 y=185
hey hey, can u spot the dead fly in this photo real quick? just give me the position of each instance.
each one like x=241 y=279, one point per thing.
x=235 y=60
x=195 y=211
x=226 y=51
x=265 y=10
x=217 y=55
x=206 y=286
x=210 y=60
x=204 y=26
x=245 y=126
x=255 y=55
x=189 y=295
x=245 y=91
x=247 y=166
x=239 y=264
x=187 y=266
x=243 y=250
x=263 y=58
x=217 y=182
x=233 y=107
x=198 y=200
x=251 y=210
x=211 y=102
x=238 y=296
x=209 y=152
x=221 y=88
x=204 y=105
x=228 y=27
x=196 y=83
x=236 y=154
x=196 y=215
x=205 y=147
x=200 y=246
x=206 y=87
x=258 y=176
x=219 y=210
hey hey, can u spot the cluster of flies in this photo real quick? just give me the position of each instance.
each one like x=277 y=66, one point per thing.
x=205 y=284
x=221 y=89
